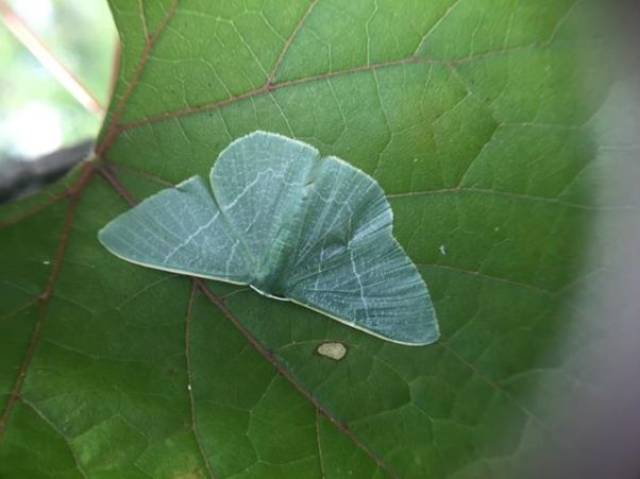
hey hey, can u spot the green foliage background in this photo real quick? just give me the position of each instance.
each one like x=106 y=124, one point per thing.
x=476 y=117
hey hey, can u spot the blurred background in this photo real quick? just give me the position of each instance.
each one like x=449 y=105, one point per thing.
x=37 y=113
x=56 y=59
x=56 y=64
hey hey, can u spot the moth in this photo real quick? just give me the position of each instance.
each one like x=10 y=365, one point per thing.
x=294 y=226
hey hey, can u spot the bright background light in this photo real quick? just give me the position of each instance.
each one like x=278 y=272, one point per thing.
x=37 y=114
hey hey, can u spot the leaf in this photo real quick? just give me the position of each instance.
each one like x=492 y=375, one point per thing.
x=474 y=118
x=293 y=226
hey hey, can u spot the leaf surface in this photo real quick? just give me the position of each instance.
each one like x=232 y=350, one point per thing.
x=475 y=119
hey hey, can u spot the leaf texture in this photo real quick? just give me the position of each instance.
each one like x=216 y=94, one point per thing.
x=474 y=118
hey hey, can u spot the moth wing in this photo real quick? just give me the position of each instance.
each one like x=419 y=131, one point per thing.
x=180 y=230
x=258 y=182
x=349 y=266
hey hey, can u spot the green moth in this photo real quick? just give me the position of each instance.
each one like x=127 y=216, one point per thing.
x=292 y=225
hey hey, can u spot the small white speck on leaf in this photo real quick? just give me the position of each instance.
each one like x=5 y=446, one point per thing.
x=331 y=350
x=46 y=262
x=189 y=387
x=443 y=250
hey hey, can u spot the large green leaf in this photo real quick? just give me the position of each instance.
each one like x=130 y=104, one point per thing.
x=474 y=117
